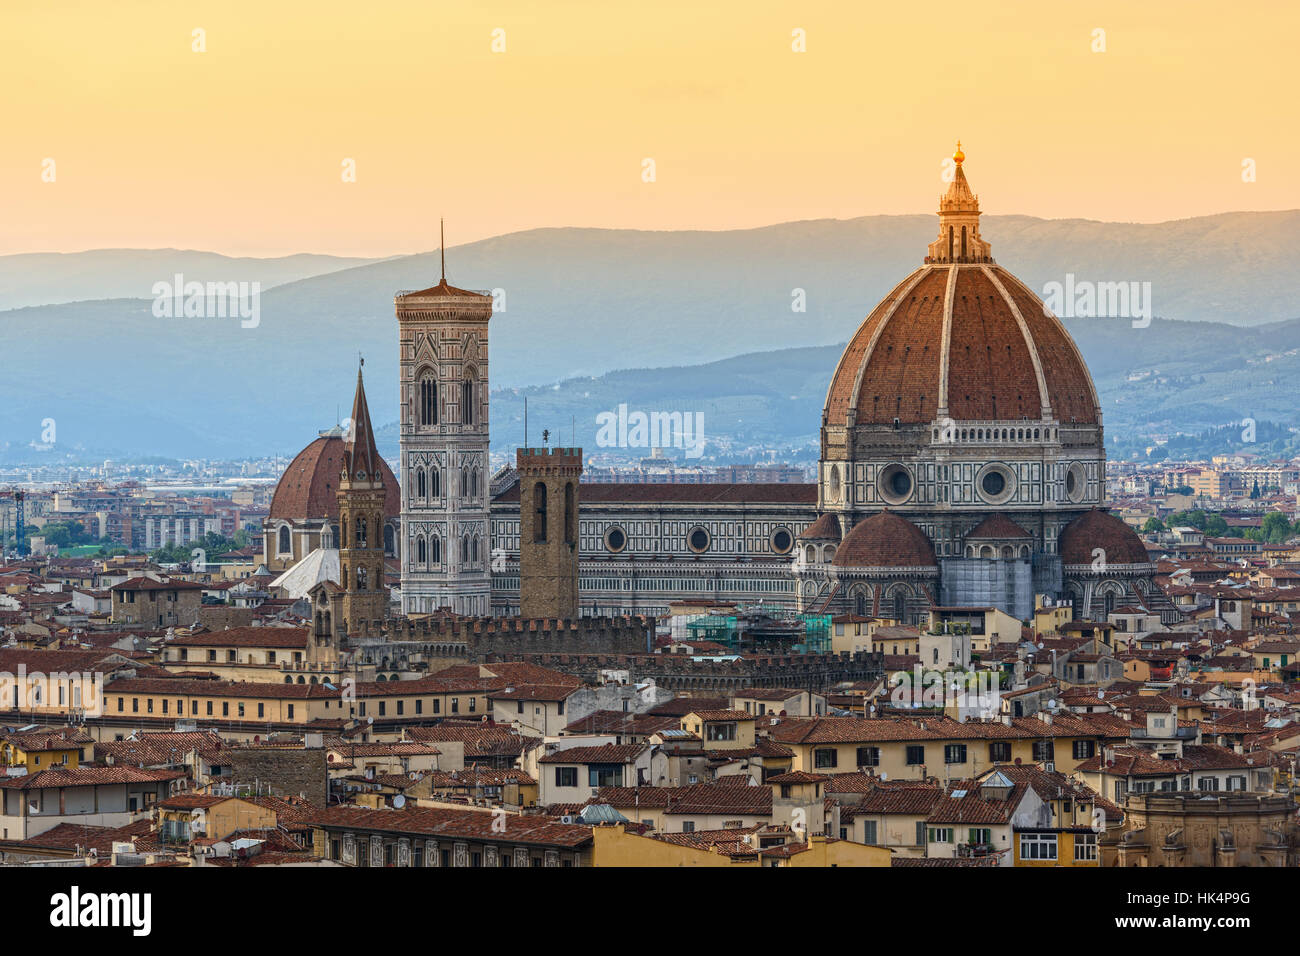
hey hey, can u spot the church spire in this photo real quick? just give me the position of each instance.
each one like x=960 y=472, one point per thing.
x=360 y=456
x=959 y=221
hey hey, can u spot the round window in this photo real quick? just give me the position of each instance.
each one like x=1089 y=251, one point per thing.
x=994 y=484
x=1076 y=484
x=615 y=540
x=698 y=540
x=782 y=541
x=895 y=484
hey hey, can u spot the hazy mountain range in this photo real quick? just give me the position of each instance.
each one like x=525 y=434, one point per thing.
x=594 y=318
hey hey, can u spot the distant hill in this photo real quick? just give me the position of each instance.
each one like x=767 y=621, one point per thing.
x=43 y=278
x=582 y=303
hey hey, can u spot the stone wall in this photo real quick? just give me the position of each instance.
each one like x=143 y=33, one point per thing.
x=280 y=772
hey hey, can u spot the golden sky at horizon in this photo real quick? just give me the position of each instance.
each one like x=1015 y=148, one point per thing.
x=239 y=149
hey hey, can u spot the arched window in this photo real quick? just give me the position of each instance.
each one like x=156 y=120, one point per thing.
x=435 y=549
x=473 y=550
x=435 y=481
x=390 y=541
x=282 y=546
x=361 y=579
x=360 y=537
x=464 y=482
x=900 y=607
x=419 y=483
x=570 y=515
x=950 y=243
x=860 y=603
x=428 y=400
x=420 y=553
x=467 y=409
x=539 y=512
x=963 y=242
x=464 y=550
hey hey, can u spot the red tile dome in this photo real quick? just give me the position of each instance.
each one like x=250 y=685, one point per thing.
x=825 y=528
x=962 y=339
x=1100 y=529
x=885 y=540
x=309 y=486
x=968 y=340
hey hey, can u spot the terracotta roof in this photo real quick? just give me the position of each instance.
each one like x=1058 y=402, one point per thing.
x=607 y=753
x=885 y=540
x=825 y=528
x=470 y=824
x=444 y=288
x=295 y=637
x=997 y=526
x=86 y=777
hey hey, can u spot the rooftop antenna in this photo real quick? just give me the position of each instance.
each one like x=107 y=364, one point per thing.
x=525 y=421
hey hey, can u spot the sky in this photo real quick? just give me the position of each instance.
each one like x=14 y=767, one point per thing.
x=502 y=116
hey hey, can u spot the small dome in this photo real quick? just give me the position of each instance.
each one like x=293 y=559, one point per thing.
x=825 y=528
x=1100 y=529
x=309 y=486
x=885 y=541
x=997 y=526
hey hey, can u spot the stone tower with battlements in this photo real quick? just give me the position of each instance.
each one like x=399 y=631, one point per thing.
x=548 y=531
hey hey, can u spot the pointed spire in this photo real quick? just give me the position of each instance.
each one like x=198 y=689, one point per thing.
x=442 y=247
x=360 y=456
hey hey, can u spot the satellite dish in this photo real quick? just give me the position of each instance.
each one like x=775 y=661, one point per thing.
x=884 y=776
x=370 y=720
x=399 y=801
x=1101 y=695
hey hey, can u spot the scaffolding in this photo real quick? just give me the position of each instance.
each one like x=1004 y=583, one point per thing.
x=765 y=628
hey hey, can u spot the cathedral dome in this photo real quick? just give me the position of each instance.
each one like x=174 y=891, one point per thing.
x=1099 y=529
x=309 y=486
x=960 y=339
x=885 y=541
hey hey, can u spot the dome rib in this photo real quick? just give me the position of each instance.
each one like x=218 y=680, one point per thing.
x=849 y=399
x=1044 y=396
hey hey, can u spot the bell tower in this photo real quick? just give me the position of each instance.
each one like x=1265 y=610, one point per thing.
x=361 y=522
x=446 y=538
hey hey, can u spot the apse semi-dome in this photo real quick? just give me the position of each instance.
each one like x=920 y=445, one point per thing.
x=885 y=540
x=1094 y=529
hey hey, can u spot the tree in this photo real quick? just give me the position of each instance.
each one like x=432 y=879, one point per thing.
x=1153 y=526
x=1275 y=528
x=1215 y=526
